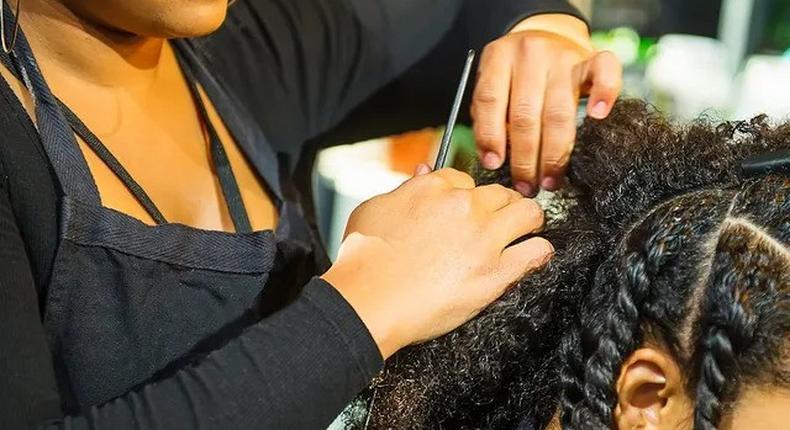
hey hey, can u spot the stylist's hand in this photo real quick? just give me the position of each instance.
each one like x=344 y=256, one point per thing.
x=427 y=257
x=528 y=88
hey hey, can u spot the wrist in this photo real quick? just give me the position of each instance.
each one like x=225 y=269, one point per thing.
x=566 y=26
x=361 y=295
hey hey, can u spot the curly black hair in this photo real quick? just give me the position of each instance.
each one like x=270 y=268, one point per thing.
x=660 y=237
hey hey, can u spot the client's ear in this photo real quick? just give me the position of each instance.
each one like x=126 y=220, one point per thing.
x=650 y=393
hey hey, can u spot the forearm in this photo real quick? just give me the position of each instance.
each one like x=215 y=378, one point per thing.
x=296 y=369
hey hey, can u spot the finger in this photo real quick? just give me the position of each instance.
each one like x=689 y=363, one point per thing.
x=456 y=178
x=422 y=169
x=524 y=117
x=516 y=220
x=525 y=257
x=489 y=104
x=602 y=77
x=495 y=197
x=558 y=128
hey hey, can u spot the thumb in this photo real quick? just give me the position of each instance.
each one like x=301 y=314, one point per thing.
x=602 y=78
x=525 y=257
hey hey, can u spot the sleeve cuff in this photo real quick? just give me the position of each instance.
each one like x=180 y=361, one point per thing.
x=347 y=324
x=488 y=20
x=567 y=9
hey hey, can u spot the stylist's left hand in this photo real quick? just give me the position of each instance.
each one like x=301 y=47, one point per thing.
x=528 y=88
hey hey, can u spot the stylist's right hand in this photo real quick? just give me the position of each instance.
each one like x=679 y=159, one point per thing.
x=427 y=257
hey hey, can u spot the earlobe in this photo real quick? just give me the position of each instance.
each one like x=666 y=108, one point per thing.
x=649 y=381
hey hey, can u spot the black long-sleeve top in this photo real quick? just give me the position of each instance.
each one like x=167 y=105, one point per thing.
x=312 y=71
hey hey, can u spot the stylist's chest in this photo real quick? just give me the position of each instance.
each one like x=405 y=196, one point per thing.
x=159 y=138
x=127 y=301
x=163 y=144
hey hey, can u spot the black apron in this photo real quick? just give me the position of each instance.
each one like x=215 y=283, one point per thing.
x=129 y=303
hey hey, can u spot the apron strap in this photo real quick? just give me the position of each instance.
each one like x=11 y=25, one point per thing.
x=93 y=142
x=76 y=125
x=57 y=137
x=227 y=180
x=219 y=159
x=240 y=122
x=113 y=164
x=57 y=124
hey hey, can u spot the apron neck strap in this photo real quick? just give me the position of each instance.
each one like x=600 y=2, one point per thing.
x=241 y=124
x=219 y=158
x=57 y=137
x=57 y=125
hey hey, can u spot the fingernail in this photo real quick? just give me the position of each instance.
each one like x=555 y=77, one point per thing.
x=549 y=184
x=599 y=110
x=491 y=161
x=422 y=169
x=526 y=190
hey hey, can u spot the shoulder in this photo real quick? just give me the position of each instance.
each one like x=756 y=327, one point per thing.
x=28 y=181
x=20 y=148
x=19 y=133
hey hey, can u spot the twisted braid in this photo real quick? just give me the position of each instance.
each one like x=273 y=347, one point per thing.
x=653 y=292
x=727 y=327
x=620 y=333
x=619 y=337
x=715 y=365
x=636 y=236
x=571 y=375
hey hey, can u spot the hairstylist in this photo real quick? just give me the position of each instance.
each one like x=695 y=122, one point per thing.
x=157 y=269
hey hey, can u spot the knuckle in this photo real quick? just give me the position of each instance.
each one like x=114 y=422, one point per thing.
x=448 y=172
x=497 y=188
x=486 y=135
x=492 y=48
x=431 y=181
x=528 y=43
x=486 y=95
x=525 y=114
x=523 y=168
x=415 y=181
x=469 y=182
x=493 y=190
x=524 y=120
x=559 y=116
x=461 y=200
x=456 y=177
x=466 y=177
x=556 y=161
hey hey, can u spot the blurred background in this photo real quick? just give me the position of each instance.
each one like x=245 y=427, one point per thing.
x=727 y=59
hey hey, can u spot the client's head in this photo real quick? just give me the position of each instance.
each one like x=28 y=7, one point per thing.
x=686 y=321
x=666 y=306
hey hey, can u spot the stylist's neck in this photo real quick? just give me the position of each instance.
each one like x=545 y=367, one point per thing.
x=86 y=49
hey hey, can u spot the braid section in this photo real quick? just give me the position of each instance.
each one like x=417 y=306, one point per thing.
x=728 y=323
